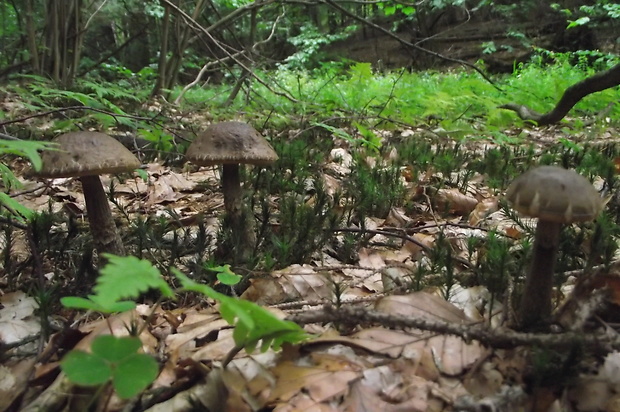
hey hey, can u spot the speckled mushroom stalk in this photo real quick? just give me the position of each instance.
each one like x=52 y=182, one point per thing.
x=232 y=144
x=536 y=302
x=556 y=196
x=237 y=215
x=87 y=155
x=100 y=219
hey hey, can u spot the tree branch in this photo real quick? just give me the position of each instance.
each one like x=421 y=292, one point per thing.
x=500 y=338
x=596 y=83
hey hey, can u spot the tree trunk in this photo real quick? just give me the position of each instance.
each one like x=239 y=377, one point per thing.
x=163 y=51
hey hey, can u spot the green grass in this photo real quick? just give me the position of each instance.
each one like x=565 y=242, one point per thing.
x=456 y=100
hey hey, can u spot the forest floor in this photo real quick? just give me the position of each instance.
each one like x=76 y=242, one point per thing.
x=401 y=322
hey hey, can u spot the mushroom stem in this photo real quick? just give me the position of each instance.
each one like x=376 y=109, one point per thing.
x=238 y=216
x=536 y=300
x=102 y=227
x=233 y=195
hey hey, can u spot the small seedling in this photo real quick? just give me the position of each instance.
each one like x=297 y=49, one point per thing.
x=117 y=359
x=113 y=359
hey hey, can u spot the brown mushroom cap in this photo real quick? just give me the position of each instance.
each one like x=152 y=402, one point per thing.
x=85 y=154
x=555 y=194
x=230 y=143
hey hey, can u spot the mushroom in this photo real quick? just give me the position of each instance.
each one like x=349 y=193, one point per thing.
x=556 y=196
x=87 y=155
x=231 y=144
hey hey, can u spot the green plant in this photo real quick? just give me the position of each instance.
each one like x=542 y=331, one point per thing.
x=303 y=228
x=116 y=359
x=309 y=42
x=113 y=359
x=373 y=190
x=29 y=150
x=442 y=262
x=367 y=139
x=497 y=265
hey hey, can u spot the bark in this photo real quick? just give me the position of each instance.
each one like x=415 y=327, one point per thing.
x=32 y=37
x=64 y=33
x=162 y=74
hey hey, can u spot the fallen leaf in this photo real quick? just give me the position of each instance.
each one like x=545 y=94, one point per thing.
x=453 y=201
x=17 y=317
x=482 y=210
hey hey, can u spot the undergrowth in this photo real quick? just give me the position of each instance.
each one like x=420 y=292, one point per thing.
x=364 y=112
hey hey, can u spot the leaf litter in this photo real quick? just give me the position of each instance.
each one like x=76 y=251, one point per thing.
x=343 y=367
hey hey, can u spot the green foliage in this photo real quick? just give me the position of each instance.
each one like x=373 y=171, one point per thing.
x=389 y=8
x=309 y=42
x=374 y=190
x=459 y=104
x=488 y=47
x=253 y=323
x=161 y=140
x=121 y=278
x=112 y=358
x=18 y=211
x=225 y=275
x=367 y=138
x=303 y=228
x=25 y=148
x=117 y=358
x=594 y=14
x=29 y=150
x=497 y=265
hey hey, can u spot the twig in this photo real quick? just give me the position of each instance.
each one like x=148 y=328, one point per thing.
x=13 y=223
x=308 y=303
x=210 y=64
x=499 y=338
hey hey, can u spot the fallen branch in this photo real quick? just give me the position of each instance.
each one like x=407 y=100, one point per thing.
x=596 y=83
x=499 y=338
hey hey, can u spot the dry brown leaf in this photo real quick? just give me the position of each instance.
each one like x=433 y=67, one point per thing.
x=14 y=376
x=117 y=325
x=397 y=218
x=452 y=355
x=378 y=340
x=331 y=185
x=160 y=191
x=453 y=201
x=327 y=378
x=218 y=349
x=485 y=381
x=513 y=232
x=365 y=397
x=290 y=284
x=177 y=181
x=303 y=402
x=17 y=317
x=136 y=186
x=184 y=341
x=421 y=305
x=340 y=161
x=483 y=209
x=413 y=249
